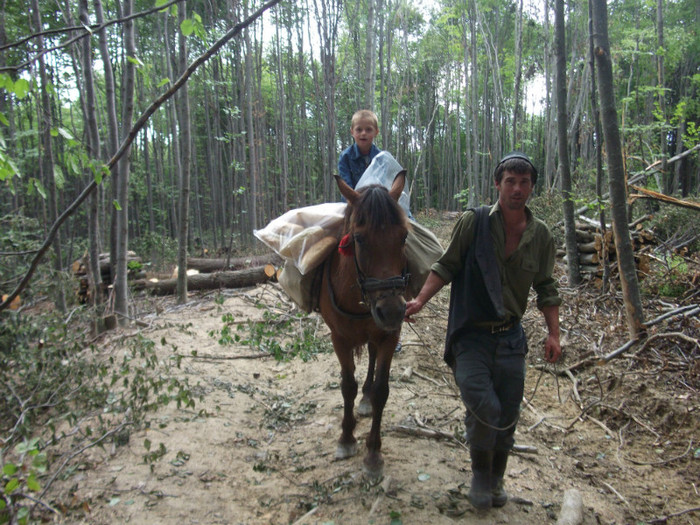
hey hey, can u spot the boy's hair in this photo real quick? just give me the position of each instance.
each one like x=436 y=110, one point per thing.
x=516 y=162
x=364 y=114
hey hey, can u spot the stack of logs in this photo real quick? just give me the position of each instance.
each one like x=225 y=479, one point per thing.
x=594 y=246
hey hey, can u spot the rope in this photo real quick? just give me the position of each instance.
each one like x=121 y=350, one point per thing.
x=473 y=413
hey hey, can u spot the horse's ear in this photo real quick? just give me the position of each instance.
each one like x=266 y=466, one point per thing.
x=345 y=190
x=397 y=186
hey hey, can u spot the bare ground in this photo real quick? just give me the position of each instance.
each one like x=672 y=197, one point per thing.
x=259 y=448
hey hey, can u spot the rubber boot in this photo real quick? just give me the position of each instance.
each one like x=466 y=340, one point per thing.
x=498 y=470
x=480 y=491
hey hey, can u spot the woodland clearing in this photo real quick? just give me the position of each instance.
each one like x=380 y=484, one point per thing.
x=258 y=447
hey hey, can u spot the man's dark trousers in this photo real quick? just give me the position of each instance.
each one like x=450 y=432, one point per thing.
x=490 y=372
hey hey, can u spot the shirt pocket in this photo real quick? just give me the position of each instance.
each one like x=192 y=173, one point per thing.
x=530 y=265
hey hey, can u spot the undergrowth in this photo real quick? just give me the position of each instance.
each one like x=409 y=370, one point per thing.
x=282 y=336
x=62 y=396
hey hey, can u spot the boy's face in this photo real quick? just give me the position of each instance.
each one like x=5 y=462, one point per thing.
x=364 y=133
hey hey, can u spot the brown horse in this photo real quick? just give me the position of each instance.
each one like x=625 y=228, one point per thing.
x=362 y=302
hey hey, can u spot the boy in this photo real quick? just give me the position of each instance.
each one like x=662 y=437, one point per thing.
x=353 y=161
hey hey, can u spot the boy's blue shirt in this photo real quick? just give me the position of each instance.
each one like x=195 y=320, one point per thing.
x=352 y=164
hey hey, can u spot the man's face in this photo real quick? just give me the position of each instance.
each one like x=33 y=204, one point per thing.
x=364 y=133
x=514 y=190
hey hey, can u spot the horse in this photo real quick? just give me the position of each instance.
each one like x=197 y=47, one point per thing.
x=362 y=301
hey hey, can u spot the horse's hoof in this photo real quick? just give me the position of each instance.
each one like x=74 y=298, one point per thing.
x=345 y=450
x=373 y=469
x=364 y=408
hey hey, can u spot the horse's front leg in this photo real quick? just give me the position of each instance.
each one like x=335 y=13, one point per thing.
x=364 y=409
x=373 y=462
x=347 y=444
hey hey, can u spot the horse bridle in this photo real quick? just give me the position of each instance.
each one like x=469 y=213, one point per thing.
x=368 y=284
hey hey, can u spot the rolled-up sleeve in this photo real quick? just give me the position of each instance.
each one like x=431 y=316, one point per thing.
x=544 y=283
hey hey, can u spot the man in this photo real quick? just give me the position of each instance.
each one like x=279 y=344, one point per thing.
x=486 y=344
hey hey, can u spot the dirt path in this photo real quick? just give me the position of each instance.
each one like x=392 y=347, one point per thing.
x=259 y=448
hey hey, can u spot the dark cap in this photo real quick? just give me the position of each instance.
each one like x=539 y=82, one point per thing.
x=518 y=155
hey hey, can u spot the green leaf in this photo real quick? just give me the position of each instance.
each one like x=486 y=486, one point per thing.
x=147 y=444
x=33 y=484
x=166 y=80
x=3 y=119
x=11 y=486
x=58 y=177
x=135 y=60
x=21 y=88
x=9 y=469
x=116 y=205
x=65 y=133
x=39 y=187
x=187 y=27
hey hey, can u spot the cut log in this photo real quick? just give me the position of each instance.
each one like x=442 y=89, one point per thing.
x=208 y=281
x=235 y=263
x=588 y=247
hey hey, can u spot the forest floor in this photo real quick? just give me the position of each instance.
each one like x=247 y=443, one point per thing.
x=259 y=446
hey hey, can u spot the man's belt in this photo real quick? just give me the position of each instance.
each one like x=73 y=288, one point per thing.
x=495 y=328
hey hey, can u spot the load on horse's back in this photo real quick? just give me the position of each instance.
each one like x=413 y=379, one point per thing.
x=362 y=300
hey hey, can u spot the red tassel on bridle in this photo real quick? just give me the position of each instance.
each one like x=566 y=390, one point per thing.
x=346 y=246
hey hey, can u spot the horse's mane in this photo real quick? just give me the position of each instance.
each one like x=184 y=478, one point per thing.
x=375 y=209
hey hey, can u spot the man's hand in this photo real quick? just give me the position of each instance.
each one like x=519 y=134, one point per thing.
x=412 y=307
x=552 y=349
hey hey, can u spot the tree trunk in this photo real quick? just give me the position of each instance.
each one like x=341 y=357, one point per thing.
x=93 y=148
x=184 y=215
x=47 y=163
x=518 y=74
x=370 y=57
x=112 y=128
x=616 y=172
x=574 y=272
x=598 y=150
x=121 y=297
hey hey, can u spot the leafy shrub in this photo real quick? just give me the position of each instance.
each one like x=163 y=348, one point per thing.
x=58 y=391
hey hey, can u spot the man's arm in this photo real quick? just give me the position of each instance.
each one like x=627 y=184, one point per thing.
x=552 y=347
x=432 y=285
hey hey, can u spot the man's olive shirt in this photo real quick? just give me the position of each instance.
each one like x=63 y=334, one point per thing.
x=530 y=264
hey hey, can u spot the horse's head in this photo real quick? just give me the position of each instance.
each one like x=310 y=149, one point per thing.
x=377 y=227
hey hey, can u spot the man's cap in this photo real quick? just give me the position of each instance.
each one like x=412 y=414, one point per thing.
x=518 y=155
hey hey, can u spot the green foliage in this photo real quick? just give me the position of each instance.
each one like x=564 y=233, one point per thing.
x=279 y=335
x=669 y=277
x=676 y=226
x=58 y=391
x=159 y=249
x=20 y=479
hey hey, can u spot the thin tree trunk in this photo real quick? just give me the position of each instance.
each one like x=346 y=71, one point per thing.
x=112 y=129
x=121 y=290
x=574 y=271
x=616 y=172
x=93 y=148
x=598 y=150
x=47 y=163
x=184 y=192
x=370 y=57
x=518 y=73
